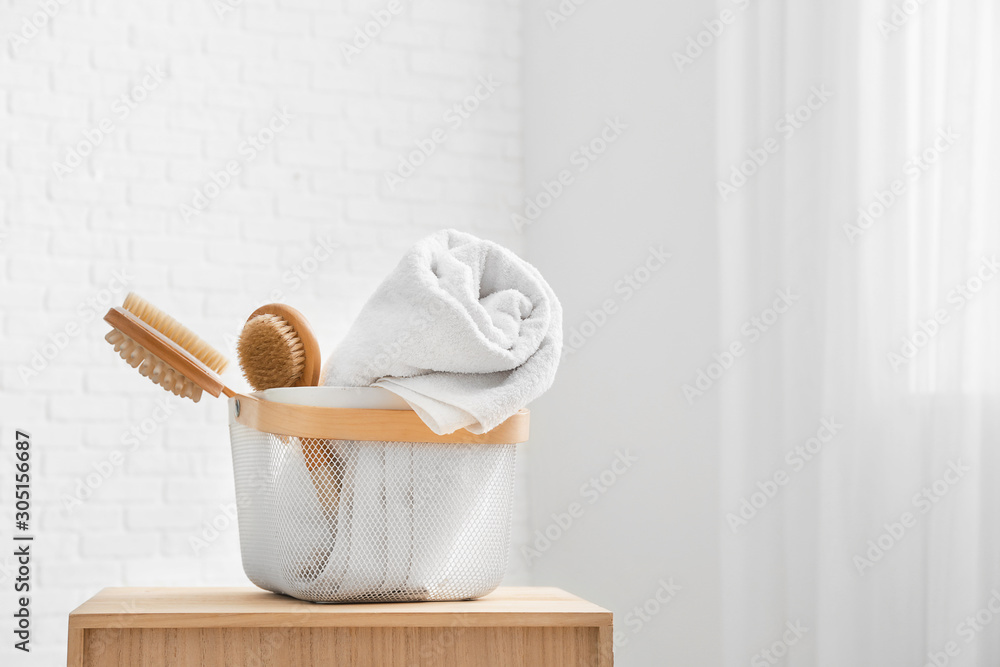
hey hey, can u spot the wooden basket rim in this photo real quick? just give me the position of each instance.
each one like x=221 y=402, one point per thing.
x=306 y=421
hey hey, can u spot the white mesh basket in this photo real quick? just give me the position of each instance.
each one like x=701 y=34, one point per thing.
x=352 y=518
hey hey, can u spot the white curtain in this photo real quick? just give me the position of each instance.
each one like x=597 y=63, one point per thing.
x=840 y=536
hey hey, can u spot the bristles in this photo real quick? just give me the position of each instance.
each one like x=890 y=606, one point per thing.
x=153 y=367
x=270 y=353
x=175 y=331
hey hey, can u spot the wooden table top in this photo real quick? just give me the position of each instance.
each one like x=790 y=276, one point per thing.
x=253 y=607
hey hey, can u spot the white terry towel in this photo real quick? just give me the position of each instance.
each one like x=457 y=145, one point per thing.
x=407 y=526
x=464 y=330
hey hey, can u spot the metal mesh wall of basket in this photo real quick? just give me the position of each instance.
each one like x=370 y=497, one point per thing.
x=353 y=517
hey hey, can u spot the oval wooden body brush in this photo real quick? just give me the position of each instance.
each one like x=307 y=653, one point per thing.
x=277 y=348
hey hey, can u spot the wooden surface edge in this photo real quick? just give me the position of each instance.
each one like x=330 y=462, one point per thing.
x=81 y=608
x=553 y=607
x=151 y=620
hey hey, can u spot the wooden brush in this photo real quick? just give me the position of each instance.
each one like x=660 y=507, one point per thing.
x=164 y=350
x=277 y=348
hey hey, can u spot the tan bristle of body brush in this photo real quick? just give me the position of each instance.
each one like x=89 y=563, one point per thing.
x=175 y=331
x=277 y=348
x=164 y=350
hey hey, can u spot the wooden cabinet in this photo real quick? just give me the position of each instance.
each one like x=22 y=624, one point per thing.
x=237 y=627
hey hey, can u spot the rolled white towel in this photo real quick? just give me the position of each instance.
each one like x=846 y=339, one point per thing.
x=464 y=330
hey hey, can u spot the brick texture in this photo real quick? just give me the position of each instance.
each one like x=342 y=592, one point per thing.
x=150 y=105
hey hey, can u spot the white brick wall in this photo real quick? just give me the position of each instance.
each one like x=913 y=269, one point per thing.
x=63 y=238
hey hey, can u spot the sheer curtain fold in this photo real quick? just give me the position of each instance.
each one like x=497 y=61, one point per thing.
x=880 y=213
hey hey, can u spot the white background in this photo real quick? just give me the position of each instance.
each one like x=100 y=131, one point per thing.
x=597 y=153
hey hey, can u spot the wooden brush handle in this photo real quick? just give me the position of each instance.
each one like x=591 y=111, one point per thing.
x=315 y=454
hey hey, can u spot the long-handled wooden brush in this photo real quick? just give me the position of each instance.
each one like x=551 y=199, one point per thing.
x=277 y=348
